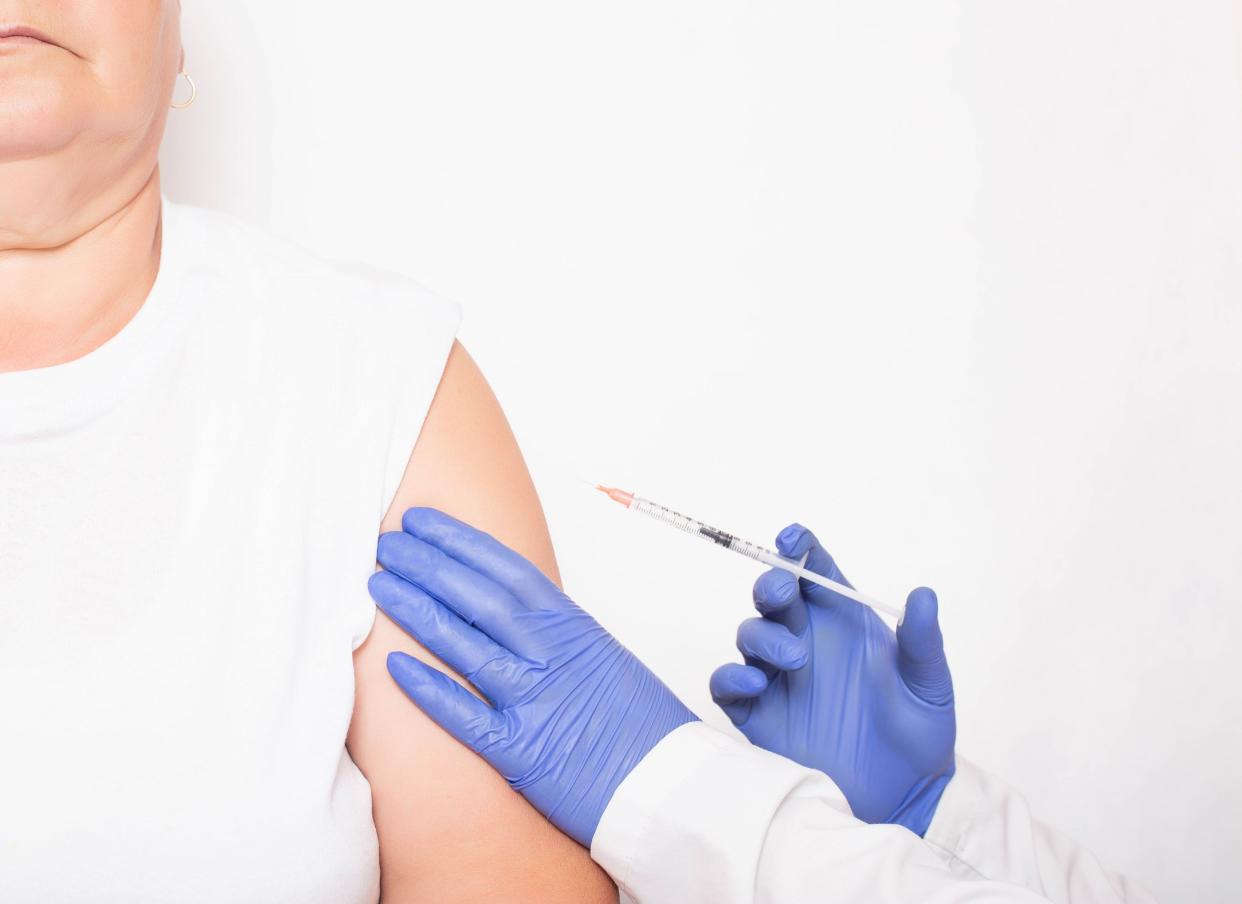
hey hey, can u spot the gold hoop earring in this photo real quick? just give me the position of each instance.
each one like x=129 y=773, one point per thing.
x=193 y=92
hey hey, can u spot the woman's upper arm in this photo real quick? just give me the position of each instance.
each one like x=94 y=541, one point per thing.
x=450 y=828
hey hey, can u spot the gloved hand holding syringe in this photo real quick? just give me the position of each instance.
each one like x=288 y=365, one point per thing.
x=592 y=738
x=743 y=547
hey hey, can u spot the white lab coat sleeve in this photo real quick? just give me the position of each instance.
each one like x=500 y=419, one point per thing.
x=984 y=828
x=706 y=817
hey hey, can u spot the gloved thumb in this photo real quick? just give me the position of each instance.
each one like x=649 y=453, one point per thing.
x=735 y=687
x=920 y=650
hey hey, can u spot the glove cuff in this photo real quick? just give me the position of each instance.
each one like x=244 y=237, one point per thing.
x=919 y=808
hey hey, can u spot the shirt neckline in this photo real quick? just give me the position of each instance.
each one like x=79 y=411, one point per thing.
x=59 y=396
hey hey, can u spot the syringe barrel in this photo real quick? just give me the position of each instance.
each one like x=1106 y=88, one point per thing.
x=751 y=550
x=706 y=531
x=667 y=515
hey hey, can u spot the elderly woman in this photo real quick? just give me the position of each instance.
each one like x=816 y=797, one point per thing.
x=201 y=430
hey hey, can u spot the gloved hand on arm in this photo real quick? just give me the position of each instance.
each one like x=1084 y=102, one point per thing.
x=829 y=685
x=569 y=712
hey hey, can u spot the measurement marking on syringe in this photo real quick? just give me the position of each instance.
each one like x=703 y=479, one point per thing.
x=740 y=546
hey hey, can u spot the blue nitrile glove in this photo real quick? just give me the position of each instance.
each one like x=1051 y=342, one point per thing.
x=572 y=711
x=828 y=684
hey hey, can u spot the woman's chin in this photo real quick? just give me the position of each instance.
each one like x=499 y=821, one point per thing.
x=38 y=118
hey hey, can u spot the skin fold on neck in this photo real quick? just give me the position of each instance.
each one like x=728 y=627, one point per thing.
x=63 y=299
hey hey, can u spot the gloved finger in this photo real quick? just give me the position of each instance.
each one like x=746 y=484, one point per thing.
x=476 y=598
x=734 y=687
x=468 y=651
x=778 y=597
x=453 y=708
x=765 y=643
x=485 y=554
x=920 y=650
x=796 y=541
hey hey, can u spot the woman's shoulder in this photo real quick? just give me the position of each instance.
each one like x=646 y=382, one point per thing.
x=268 y=273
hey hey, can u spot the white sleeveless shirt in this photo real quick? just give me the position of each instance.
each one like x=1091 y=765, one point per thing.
x=188 y=518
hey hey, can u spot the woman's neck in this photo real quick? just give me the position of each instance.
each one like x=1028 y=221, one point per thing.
x=62 y=300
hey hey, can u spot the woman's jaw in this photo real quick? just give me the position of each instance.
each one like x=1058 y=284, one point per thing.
x=84 y=94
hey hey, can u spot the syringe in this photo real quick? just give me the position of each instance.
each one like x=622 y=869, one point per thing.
x=738 y=545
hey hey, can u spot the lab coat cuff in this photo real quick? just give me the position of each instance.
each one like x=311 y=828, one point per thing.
x=969 y=801
x=698 y=804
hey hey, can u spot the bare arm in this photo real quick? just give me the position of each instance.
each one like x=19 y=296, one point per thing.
x=450 y=829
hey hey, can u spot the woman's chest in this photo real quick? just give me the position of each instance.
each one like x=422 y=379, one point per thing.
x=176 y=676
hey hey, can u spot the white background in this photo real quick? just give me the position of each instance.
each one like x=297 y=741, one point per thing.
x=954 y=283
